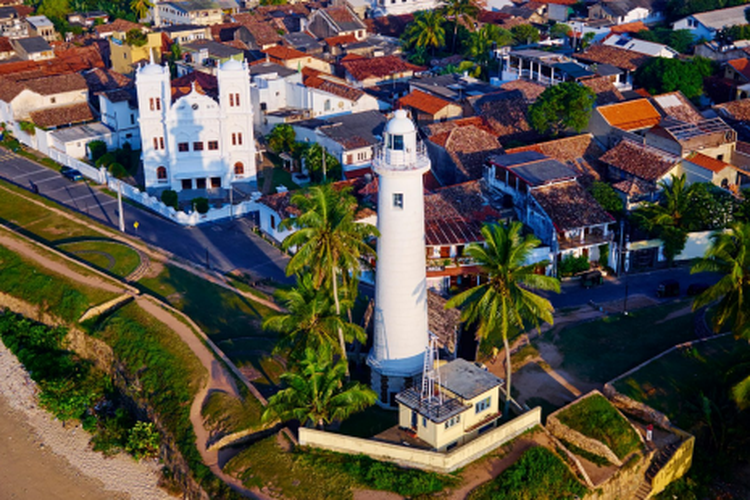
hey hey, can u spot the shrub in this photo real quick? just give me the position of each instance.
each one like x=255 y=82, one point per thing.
x=201 y=205
x=169 y=198
x=27 y=127
x=117 y=170
x=143 y=440
x=97 y=149
x=571 y=265
x=105 y=160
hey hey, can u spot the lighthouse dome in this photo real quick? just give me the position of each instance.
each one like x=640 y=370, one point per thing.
x=400 y=124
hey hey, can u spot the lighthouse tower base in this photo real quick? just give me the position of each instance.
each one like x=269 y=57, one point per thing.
x=388 y=380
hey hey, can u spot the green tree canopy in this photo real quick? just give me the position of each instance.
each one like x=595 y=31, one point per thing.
x=679 y=40
x=140 y=8
x=524 y=34
x=480 y=42
x=281 y=139
x=464 y=11
x=319 y=172
x=560 y=107
x=560 y=30
x=607 y=197
x=505 y=302
x=316 y=393
x=427 y=30
x=660 y=75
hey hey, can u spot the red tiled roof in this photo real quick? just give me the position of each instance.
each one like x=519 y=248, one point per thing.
x=284 y=53
x=120 y=25
x=357 y=173
x=741 y=66
x=633 y=187
x=620 y=58
x=439 y=133
x=605 y=90
x=204 y=83
x=631 y=115
x=676 y=105
x=264 y=32
x=707 y=162
x=580 y=152
x=392 y=26
x=455 y=214
x=5 y=45
x=342 y=15
x=318 y=80
x=530 y=90
x=633 y=27
x=735 y=110
x=570 y=206
x=377 y=67
x=62 y=115
x=645 y=162
x=340 y=40
x=424 y=102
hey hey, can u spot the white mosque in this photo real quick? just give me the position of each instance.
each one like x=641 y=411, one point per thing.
x=196 y=141
x=400 y=318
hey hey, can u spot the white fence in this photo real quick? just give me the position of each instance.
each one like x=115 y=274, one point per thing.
x=98 y=175
x=186 y=219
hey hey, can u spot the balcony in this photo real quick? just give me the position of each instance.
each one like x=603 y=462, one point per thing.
x=591 y=238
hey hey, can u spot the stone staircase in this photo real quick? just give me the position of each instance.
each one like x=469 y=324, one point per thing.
x=643 y=492
x=661 y=458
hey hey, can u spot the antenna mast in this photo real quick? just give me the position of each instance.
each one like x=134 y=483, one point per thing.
x=431 y=375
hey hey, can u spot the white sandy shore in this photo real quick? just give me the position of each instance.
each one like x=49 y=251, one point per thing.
x=119 y=477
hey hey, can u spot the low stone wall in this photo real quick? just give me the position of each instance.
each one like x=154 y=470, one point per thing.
x=423 y=459
x=636 y=408
x=625 y=482
x=106 y=307
x=573 y=463
x=565 y=433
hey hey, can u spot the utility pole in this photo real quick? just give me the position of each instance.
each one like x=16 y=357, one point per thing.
x=121 y=216
x=231 y=203
x=323 y=154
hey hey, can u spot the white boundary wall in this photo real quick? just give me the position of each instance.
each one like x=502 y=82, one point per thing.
x=423 y=459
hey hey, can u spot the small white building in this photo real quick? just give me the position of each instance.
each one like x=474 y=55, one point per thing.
x=195 y=12
x=119 y=112
x=705 y=25
x=196 y=141
x=644 y=47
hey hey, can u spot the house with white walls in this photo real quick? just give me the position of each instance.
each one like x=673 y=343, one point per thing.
x=705 y=25
x=198 y=137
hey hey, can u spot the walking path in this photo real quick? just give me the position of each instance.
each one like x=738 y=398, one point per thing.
x=218 y=376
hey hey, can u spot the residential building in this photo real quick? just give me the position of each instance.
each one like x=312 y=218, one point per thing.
x=738 y=72
x=548 y=68
x=305 y=42
x=627 y=11
x=723 y=51
x=42 y=27
x=452 y=87
x=388 y=8
x=426 y=108
x=463 y=404
x=526 y=13
x=712 y=137
x=119 y=112
x=296 y=60
x=338 y=20
x=651 y=49
x=185 y=33
x=263 y=33
x=73 y=141
x=196 y=139
x=351 y=138
x=11 y=23
x=549 y=199
x=323 y=94
x=605 y=89
x=630 y=118
x=118 y=26
x=88 y=19
x=32 y=49
x=698 y=167
x=705 y=25
x=459 y=148
x=737 y=115
x=6 y=48
x=368 y=72
x=271 y=93
x=676 y=106
x=625 y=61
x=206 y=56
x=637 y=169
x=506 y=113
x=197 y=12
x=126 y=56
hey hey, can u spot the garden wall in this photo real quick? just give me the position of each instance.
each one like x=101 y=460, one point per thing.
x=423 y=459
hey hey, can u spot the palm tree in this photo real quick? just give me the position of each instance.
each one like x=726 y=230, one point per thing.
x=671 y=218
x=316 y=394
x=427 y=30
x=327 y=240
x=141 y=7
x=505 y=301
x=463 y=10
x=310 y=320
x=729 y=255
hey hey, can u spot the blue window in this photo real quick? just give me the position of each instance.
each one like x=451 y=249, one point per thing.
x=483 y=405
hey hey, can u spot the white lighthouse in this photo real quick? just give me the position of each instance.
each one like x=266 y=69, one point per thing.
x=400 y=318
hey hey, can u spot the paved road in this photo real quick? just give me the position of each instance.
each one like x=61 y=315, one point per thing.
x=229 y=245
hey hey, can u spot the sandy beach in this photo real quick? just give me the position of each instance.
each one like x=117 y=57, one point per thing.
x=39 y=458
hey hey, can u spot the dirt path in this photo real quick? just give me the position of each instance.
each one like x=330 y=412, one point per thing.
x=29 y=251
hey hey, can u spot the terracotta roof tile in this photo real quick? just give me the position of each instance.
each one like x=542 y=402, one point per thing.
x=620 y=58
x=707 y=162
x=633 y=27
x=631 y=115
x=570 y=206
x=645 y=162
x=530 y=90
x=120 y=25
x=505 y=112
x=62 y=115
x=455 y=214
x=605 y=90
x=318 y=80
x=580 y=152
x=676 y=105
x=424 y=102
x=5 y=45
x=735 y=110
x=377 y=67
x=280 y=53
x=633 y=187
x=99 y=80
x=264 y=32
x=340 y=40
x=742 y=66
x=442 y=322
x=280 y=203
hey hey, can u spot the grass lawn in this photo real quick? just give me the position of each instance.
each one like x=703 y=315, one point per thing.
x=63 y=297
x=674 y=383
x=280 y=176
x=226 y=414
x=111 y=256
x=321 y=475
x=596 y=418
x=369 y=422
x=598 y=351
x=539 y=475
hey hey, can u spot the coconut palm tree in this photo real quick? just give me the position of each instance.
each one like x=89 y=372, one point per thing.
x=729 y=255
x=310 y=320
x=328 y=242
x=505 y=301
x=460 y=10
x=427 y=30
x=316 y=394
x=672 y=217
x=141 y=7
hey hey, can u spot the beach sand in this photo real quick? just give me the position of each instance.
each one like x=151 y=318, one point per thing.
x=41 y=459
